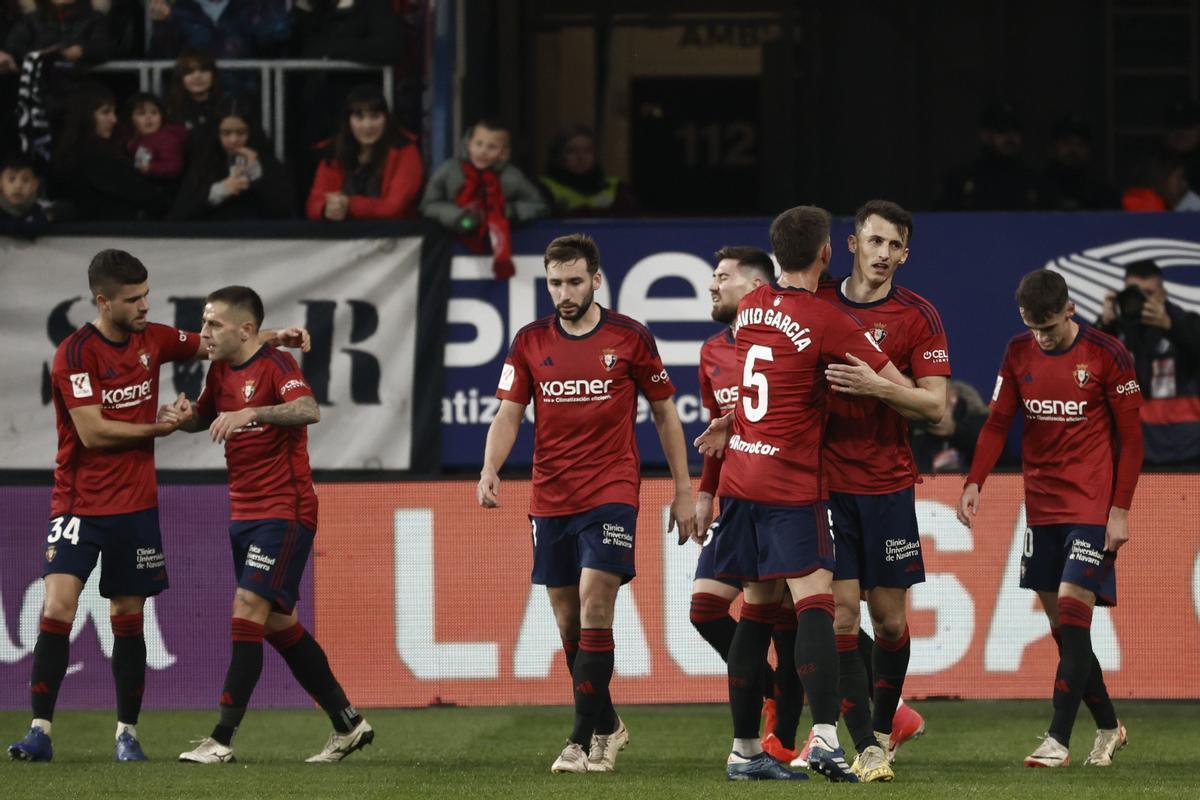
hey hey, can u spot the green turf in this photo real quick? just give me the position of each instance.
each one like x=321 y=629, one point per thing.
x=972 y=750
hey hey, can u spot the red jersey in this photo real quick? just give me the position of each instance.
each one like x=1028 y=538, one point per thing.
x=269 y=473
x=719 y=379
x=785 y=338
x=585 y=387
x=866 y=440
x=1070 y=399
x=122 y=378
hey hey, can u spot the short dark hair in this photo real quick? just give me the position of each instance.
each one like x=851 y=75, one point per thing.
x=572 y=247
x=112 y=269
x=140 y=99
x=492 y=124
x=17 y=162
x=1146 y=268
x=751 y=258
x=1042 y=294
x=885 y=209
x=242 y=297
x=797 y=236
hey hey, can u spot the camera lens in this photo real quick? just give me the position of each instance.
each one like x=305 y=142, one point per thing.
x=1130 y=301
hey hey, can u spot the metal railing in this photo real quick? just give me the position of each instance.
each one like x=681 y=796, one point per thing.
x=271 y=78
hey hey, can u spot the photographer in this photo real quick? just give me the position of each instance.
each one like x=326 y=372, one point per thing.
x=1165 y=343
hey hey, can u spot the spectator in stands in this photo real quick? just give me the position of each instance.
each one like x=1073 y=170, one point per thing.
x=234 y=174
x=999 y=179
x=71 y=28
x=576 y=183
x=90 y=169
x=949 y=444
x=157 y=149
x=1071 y=180
x=1165 y=342
x=194 y=91
x=1183 y=137
x=367 y=31
x=371 y=170
x=480 y=192
x=225 y=28
x=19 y=200
x=1162 y=186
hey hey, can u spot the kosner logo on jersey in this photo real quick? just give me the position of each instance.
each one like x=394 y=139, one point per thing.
x=357 y=298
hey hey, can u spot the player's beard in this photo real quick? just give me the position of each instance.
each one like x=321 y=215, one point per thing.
x=724 y=314
x=580 y=310
x=132 y=325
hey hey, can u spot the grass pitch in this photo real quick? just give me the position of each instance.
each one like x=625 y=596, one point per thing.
x=971 y=750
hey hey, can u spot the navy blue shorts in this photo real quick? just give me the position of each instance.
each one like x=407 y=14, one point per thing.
x=759 y=542
x=269 y=556
x=706 y=564
x=599 y=538
x=1068 y=553
x=878 y=540
x=129 y=547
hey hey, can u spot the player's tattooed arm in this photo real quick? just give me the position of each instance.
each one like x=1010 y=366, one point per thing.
x=301 y=411
x=294 y=337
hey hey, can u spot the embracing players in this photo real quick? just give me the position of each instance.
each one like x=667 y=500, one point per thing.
x=257 y=403
x=871 y=476
x=104 y=382
x=774 y=527
x=583 y=366
x=1081 y=451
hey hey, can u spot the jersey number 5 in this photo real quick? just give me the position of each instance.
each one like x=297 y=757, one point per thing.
x=757 y=409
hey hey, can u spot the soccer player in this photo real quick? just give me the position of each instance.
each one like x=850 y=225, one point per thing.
x=739 y=271
x=583 y=367
x=1076 y=387
x=104 y=383
x=774 y=527
x=871 y=477
x=257 y=403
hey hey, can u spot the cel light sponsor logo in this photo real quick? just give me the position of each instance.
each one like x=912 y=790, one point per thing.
x=1129 y=387
x=661 y=377
x=294 y=383
x=938 y=356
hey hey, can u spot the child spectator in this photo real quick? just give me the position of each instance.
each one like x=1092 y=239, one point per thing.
x=90 y=169
x=576 y=182
x=478 y=194
x=372 y=170
x=157 y=149
x=19 y=201
x=234 y=174
x=194 y=91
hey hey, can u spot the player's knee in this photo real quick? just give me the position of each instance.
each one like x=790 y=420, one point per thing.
x=60 y=607
x=889 y=628
x=248 y=605
x=845 y=620
x=119 y=606
x=596 y=612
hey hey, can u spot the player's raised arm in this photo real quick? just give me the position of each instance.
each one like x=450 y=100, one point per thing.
x=501 y=436
x=670 y=434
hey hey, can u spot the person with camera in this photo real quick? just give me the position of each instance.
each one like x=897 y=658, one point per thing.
x=1165 y=342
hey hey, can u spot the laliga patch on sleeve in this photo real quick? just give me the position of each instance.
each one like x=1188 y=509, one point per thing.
x=996 y=391
x=506 y=377
x=81 y=384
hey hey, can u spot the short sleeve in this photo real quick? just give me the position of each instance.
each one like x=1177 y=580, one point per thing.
x=174 y=344
x=77 y=380
x=846 y=335
x=289 y=380
x=206 y=404
x=648 y=370
x=516 y=382
x=708 y=397
x=930 y=356
x=1005 y=399
x=1120 y=382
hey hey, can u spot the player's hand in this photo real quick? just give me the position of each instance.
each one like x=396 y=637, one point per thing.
x=712 y=441
x=488 y=490
x=856 y=377
x=1116 y=532
x=72 y=53
x=704 y=516
x=683 y=512
x=968 y=504
x=228 y=423
x=176 y=413
x=294 y=337
x=1108 y=312
x=1154 y=314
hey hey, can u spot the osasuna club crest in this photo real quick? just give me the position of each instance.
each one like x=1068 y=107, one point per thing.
x=248 y=390
x=1082 y=376
x=144 y=358
x=879 y=332
x=608 y=358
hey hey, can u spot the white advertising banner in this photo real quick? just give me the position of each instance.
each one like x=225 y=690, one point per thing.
x=357 y=297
